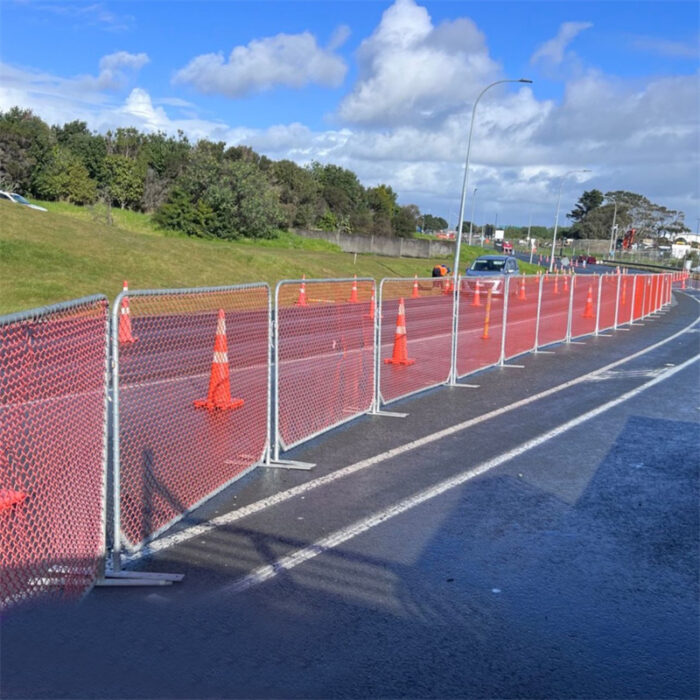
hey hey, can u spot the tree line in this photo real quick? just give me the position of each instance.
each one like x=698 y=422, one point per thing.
x=203 y=189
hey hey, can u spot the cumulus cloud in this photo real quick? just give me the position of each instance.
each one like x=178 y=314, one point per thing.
x=290 y=60
x=411 y=71
x=665 y=47
x=553 y=51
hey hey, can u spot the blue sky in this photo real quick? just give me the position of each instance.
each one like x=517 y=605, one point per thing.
x=386 y=89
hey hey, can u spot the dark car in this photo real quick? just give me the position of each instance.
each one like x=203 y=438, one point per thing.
x=491 y=271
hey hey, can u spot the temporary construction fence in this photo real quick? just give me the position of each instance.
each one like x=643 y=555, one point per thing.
x=203 y=390
x=415 y=335
x=53 y=390
x=191 y=410
x=324 y=356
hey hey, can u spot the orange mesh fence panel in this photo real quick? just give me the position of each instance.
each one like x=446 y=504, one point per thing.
x=583 y=311
x=554 y=311
x=53 y=364
x=325 y=355
x=427 y=343
x=608 y=295
x=625 y=299
x=521 y=315
x=193 y=399
x=639 y=286
x=480 y=323
x=647 y=302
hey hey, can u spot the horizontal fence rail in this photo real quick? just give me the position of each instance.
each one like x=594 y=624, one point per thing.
x=324 y=356
x=53 y=390
x=191 y=411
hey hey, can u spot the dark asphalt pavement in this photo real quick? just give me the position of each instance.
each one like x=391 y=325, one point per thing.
x=568 y=571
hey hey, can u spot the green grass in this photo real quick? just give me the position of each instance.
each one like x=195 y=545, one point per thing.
x=70 y=251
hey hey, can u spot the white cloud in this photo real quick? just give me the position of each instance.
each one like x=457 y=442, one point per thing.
x=553 y=51
x=413 y=72
x=124 y=59
x=95 y=14
x=290 y=60
x=665 y=47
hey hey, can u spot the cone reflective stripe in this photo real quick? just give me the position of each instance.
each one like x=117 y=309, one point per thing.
x=353 y=292
x=556 y=282
x=400 y=354
x=415 y=293
x=521 y=292
x=124 y=331
x=476 y=300
x=219 y=396
x=301 y=301
x=588 y=311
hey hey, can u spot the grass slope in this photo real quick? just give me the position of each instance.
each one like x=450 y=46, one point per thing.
x=70 y=252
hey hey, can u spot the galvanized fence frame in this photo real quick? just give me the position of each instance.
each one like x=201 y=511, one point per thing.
x=278 y=443
x=43 y=312
x=504 y=337
x=454 y=295
x=119 y=542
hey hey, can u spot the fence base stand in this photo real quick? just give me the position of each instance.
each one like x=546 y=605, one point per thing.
x=603 y=335
x=388 y=414
x=515 y=366
x=576 y=342
x=138 y=578
x=465 y=386
x=288 y=464
x=621 y=329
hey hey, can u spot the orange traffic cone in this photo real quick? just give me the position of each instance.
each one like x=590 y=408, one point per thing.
x=448 y=286
x=370 y=315
x=353 y=293
x=683 y=282
x=487 y=314
x=521 y=292
x=476 y=301
x=400 y=356
x=415 y=294
x=301 y=301
x=588 y=311
x=219 y=396
x=556 y=282
x=125 y=335
x=566 y=282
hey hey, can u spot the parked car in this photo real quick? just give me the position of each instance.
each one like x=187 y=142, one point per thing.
x=19 y=199
x=490 y=271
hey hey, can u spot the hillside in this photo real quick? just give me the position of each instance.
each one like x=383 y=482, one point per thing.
x=69 y=251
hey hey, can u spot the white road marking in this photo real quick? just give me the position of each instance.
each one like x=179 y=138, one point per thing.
x=269 y=571
x=224 y=520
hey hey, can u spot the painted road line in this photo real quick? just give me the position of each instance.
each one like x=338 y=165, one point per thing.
x=269 y=571
x=264 y=503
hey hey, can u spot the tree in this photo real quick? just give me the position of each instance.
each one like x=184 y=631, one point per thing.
x=404 y=220
x=64 y=177
x=587 y=202
x=435 y=223
x=126 y=180
x=649 y=219
x=297 y=190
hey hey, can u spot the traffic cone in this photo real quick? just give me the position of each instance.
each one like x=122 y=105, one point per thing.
x=476 y=300
x=353 y=294
x=125 y=335
x=487 y=314
x=556 y=282
x=370 y=315
x=415 y=293
x=566 y=282
x=301 y=301
x=588 y=311
x=683 y=282
x=400 y=356
x=521 y=291
x=448 y=286
x=219 y=396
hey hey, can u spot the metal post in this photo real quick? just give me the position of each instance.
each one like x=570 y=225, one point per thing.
x=539 y=307
x=471 y=220
x=597 y=308
x=276 y=383
x=556 y=218
x=270 y=351
x=116 y=558
x=571 y=308
x=612 y=232
x=617 y=301
x=644 y=297
x=506 y=294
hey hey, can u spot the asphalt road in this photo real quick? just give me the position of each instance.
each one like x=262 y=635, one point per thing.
x=545 y=544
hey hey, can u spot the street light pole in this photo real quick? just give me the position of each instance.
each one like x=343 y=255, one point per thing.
x=556 y=218
x=471 y=220
x=612 y=231
x=453 y=378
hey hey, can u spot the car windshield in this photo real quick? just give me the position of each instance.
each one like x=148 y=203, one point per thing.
x=488 y=265
x=19 y=198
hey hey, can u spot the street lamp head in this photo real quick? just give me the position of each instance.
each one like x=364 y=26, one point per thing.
x=524 y=80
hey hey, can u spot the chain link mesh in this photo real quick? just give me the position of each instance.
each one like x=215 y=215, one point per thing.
x=325 y=355
x=52 y=449
x=521 y=316
x=554 y=313
x=428 y=324
x=173 y=454
x=480 y=324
